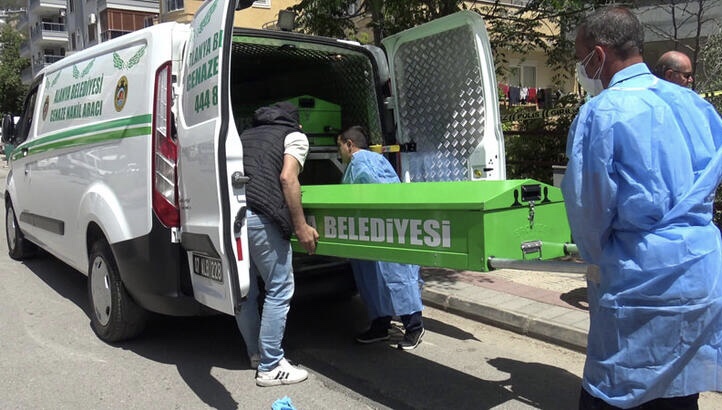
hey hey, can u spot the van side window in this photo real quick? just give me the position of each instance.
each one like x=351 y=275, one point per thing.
x=26 y=121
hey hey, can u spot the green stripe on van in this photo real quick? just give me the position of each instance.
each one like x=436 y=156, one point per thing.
x=89 y=134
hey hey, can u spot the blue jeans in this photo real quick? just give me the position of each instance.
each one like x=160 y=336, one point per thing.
x=270 y=257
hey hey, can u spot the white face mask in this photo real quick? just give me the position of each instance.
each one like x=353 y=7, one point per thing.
x=593 y=86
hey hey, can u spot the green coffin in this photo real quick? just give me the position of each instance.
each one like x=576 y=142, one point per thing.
x=456 y=225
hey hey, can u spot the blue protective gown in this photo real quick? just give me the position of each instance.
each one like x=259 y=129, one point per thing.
x=387 y=289
x=644 y=162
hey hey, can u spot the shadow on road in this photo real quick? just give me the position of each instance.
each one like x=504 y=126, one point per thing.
x=531 y=383
x=194 y=345
x=319 y=336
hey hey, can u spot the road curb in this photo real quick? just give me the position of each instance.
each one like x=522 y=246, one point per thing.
x=572 y=337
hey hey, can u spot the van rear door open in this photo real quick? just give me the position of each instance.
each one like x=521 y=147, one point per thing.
x=211 y=191
x=445 y=100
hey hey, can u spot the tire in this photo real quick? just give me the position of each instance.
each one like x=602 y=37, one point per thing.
x=19 y=248
x=114 y=315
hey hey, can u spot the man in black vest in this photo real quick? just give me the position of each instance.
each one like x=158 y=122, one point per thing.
x=274 y=151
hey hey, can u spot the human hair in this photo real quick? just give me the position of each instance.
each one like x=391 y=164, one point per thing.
x=614 y=27
x=671 y=60
x=356 y=134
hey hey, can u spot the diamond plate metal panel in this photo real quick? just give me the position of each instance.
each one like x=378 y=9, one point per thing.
x=440 y=95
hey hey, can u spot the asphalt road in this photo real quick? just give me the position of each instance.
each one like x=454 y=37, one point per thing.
x=50 y=358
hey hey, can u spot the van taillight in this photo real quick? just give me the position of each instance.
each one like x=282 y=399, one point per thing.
x=165 y=152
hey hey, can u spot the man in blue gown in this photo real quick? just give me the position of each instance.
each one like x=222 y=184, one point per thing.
x=644 y=162
x=388 y=289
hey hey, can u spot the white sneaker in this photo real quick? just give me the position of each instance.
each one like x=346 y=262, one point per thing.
x=283 y=373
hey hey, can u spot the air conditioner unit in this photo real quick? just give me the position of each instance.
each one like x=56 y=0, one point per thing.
x=91 y=18
x=62 y=12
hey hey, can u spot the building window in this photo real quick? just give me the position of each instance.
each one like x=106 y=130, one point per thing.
x=266 y=4
x=524 y=76
x=173 y=5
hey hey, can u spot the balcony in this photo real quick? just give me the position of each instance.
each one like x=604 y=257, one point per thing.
x=42 y=62
x=49 y=34
x=50 y=59
x=46 y=7
x=145 y=6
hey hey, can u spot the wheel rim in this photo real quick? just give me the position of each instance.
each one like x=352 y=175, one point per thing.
x=100 y=290
x=11 y=228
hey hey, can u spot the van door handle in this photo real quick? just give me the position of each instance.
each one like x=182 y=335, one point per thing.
x=238 y=180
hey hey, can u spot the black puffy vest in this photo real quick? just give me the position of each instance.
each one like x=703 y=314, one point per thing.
x=263 y=147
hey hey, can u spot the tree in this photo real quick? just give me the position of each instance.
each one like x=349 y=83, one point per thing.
x=338 y=18
x=330 y=18
x=711 y=59
x=540 y=25
x=12 y=89
x=683 y=24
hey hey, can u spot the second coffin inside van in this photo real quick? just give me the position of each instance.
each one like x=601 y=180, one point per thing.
x=335 y=86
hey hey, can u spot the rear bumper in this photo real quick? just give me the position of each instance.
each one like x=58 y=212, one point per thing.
x=155 y=272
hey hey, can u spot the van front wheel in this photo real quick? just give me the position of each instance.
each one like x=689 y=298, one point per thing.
x=114 y=314
x=19 y=248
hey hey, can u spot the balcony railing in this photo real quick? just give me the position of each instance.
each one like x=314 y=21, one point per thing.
x=51 y=30
x=45 y=60
x=51 y=58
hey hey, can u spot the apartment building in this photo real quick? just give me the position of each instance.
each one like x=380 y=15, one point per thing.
x=93 y=21
x=262 y=14
x=46 y=34
x=55 y=28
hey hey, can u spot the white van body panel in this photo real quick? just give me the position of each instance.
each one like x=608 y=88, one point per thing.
x=83 y=171
x=97 y=144
x=445 y=100
x=210 y=153
x=85 y=168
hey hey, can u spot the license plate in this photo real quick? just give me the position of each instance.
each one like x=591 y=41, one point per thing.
x=208 y=267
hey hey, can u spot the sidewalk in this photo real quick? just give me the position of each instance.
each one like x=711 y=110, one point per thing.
x=550 y=306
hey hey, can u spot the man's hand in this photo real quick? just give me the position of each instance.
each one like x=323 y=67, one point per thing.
x=308 y=238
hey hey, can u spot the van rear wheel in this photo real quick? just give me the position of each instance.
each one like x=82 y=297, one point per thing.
x=19 y=248
x=114 y=314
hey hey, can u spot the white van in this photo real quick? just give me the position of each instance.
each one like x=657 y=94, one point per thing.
x=128 y=164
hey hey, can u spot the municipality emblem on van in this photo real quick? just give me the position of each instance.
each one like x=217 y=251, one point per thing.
x=121 y=93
